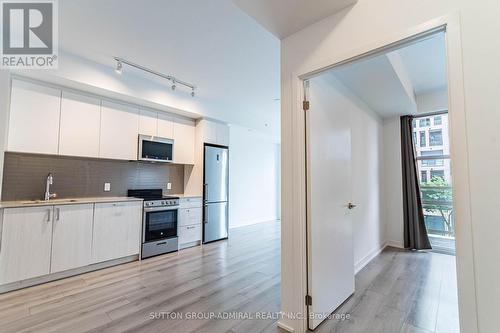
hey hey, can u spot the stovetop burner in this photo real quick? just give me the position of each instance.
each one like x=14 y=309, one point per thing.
x=150 y=195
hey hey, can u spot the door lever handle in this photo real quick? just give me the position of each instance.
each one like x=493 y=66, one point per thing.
x=350 y=205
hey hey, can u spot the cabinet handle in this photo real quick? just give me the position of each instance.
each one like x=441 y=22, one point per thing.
x=190 y=227
x=49 y=215
x=58 y=213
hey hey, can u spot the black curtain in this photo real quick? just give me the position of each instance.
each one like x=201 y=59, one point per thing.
x=415 y=232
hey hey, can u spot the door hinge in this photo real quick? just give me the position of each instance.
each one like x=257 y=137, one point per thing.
x=309 y=300
x=305 y=105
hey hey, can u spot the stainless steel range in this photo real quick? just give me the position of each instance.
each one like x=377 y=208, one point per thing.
x=159 y=223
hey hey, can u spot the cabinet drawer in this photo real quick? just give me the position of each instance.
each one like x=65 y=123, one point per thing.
x=189 y=216
x=189 y=234
x=190 y=202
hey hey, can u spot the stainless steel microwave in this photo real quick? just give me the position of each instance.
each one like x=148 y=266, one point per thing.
x=155 y=149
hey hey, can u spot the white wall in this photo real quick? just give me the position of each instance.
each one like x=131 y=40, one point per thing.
x=432 y=101
x=358 y=29
x=253 y=177
x=4 y=107
x=393 y=183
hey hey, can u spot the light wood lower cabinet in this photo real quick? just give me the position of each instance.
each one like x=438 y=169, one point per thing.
x=190 y=224
x=117 y=230
x=25 y=243
x=71 y=237
x=38 y=241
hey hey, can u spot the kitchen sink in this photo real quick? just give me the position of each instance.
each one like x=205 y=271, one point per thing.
x=53 y=201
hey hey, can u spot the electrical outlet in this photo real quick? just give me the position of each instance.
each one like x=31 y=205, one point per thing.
x=169 y=186
x=107 y=187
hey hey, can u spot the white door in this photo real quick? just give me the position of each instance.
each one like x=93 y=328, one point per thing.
x=80 y=123
x=72 y=237
x=119 y=131
x=25 y=244
x=34 y=118
x=117 y=230
x=330 y=243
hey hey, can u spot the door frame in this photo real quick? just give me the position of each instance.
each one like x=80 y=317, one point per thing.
x=297 y=235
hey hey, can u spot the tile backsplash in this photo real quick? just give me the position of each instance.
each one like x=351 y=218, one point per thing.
x=24 y=176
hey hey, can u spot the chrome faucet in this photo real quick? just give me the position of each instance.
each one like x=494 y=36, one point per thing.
x=50 y=181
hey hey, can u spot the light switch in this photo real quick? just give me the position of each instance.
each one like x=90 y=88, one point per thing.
x=107 y=187
x=169 y=186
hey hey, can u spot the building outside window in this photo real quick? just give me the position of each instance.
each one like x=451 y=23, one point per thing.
x=424 y=122
x=437 y=174
x=423 y=176
x=423 y=140
x=438 y=120
x=436 y=137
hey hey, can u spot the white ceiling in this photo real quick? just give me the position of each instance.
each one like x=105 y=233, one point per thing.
x=285 y=17
x=426 y=64
x=233 y=61
x=390 y=83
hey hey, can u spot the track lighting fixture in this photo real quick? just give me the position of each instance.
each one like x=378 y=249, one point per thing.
x=119 y=67
x=174 y=81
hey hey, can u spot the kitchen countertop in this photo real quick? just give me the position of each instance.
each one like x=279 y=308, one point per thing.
x=68 y=201
x=186 y=195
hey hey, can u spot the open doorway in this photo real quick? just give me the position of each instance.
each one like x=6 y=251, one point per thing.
x=354 y=193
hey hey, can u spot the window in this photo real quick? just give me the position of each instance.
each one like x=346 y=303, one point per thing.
x=436 y=137
x=423 y=176
x=423 y=142
x=437 y=174
x=414 y=137
x=434 y=172
x=438 y=120
x=425 y=122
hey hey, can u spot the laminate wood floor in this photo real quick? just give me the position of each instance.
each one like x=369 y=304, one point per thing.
x=397 y=292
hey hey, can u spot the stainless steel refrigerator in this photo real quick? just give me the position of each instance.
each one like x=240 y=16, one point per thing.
x=215 y=193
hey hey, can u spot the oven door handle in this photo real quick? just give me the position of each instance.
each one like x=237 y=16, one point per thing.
x=160 y=209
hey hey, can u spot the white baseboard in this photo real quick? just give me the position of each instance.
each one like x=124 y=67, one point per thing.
x=285 y=327
x=393 y=243
x=369 y=257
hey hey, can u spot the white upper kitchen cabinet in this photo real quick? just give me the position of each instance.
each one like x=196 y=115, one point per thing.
x=148 y=122
x=119 y=131
x=209 y=129
x=80 y=124
x=34 y=118
x=165 y=125
x=184 y=137
x=25 y=243
x=72 y=237
x=117 y=230
x=222 y=134
x=214 y=132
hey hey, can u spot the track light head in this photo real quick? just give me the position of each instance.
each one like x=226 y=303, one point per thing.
x=192 y=92
x=119 y=67
x=173 y=85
